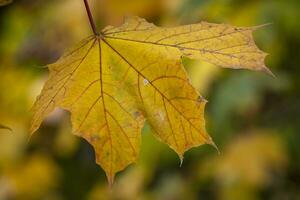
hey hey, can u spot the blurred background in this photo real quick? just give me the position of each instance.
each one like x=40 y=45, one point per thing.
x=253 y=118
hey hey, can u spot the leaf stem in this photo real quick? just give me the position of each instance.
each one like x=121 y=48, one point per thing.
x=88 y=10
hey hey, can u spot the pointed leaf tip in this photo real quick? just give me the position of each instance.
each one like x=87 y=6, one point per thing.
x=110 y=179
x=268 y=71
x=212 y=143
x=181 y=161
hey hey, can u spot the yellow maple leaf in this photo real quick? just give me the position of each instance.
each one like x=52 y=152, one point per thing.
x=112 y=82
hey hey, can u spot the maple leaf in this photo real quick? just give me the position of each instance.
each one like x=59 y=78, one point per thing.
x=112 y=82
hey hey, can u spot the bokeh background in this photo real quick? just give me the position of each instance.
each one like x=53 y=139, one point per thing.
x=253 y=118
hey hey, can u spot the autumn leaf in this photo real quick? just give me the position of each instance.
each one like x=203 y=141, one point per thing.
x=5 y=2
x=112 y=82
